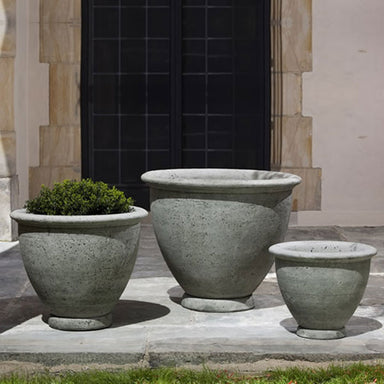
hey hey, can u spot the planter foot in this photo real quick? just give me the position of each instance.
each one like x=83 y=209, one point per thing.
x=321 y=334
x=217 y=305
x=76 y=324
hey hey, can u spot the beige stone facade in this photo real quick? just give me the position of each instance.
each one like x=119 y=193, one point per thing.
x=292 y=132
x=57 y=141
x=60 y=48
x=299 y=139
x=8 y=177
x=327 y=98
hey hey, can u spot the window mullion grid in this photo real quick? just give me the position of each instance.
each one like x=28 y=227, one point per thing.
x=146 y=86
x=233 y=125
x=206 y=82
x=120 y=99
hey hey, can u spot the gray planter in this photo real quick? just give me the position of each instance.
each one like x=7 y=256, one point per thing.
x=214 y=227
x=322 y=283
x=79 y=265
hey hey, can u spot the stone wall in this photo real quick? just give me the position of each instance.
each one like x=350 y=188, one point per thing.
x=8 y=178
x=60 y=149
x=292 y=56
x=60 y=47
x=291 y=131
x=344 y=94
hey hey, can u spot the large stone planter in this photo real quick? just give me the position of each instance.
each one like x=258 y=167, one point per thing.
x=322 y=283
x=214 y=227
x=79 y=265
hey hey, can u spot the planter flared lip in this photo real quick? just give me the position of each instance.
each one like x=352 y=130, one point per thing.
x=128 y=218
x=220 y=180
x=322 y=250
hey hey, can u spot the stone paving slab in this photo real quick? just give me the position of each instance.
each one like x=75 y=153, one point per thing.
x=151 y=328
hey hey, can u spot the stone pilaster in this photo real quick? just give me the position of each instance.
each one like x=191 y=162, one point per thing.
x=60 y=47
x=292 y=132
x=8 y=178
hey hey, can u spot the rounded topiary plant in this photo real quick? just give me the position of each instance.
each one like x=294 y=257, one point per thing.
x=85 y=197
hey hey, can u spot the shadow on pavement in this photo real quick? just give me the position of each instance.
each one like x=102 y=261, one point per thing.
x=129 y=312
x=15 y=311
x=357 y=325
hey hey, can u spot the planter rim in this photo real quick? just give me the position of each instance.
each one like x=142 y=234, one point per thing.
x=220 y=179
x=323 y=250
x=130 y=218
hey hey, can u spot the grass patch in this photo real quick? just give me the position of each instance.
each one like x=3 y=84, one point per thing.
x=357 y=373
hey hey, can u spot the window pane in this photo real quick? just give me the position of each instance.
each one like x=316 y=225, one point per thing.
x=158 y=94
x=133 y=90
x=106 y=22
x=105 y=90
x=193 y=94
x=106 y=132
x=193 y=22
x=106 y=165
x=133 y=56
x=107 y=57
x=158 y=132
x=133 y=135
x=132 y=166
x=158 y=22
x=133 y=22
x=158 y=55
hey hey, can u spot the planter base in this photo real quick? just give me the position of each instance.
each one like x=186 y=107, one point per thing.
x=217 y=305
x=76 y=324
x=321 y=334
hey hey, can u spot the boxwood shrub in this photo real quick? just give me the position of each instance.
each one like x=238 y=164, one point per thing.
x=85 y=197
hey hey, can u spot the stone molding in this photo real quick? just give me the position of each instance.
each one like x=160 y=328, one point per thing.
x=60 y=146
x=7 y=153
x=7 y=28
x=291 y=136
x=60 y=31
x=9 y=192
x=7 y=76
x=296 y=133
x=64 y=94
x=48 y=175
x=60 y=47
x=307 y=195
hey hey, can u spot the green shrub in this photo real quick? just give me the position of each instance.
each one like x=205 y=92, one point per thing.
x=84 y=197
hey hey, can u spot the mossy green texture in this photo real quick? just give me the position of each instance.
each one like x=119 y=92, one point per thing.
x=357 y=373
x=85 y=197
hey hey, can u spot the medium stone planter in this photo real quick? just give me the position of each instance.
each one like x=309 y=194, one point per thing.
x=214 y=227
x=322 y=283
x=79 y=265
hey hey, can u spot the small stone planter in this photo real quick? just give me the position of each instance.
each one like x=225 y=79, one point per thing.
x=79 y=265
x=322 y=283
x=214 y=228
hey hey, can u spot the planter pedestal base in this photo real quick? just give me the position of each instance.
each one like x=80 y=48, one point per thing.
x=321 y=334
x=76 y=324
x=217 y=305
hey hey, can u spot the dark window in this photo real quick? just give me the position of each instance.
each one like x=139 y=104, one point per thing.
x=173 y=83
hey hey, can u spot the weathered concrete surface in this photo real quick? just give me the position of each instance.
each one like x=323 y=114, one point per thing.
x=214 y=227
x=314 y=275
x=152 y=329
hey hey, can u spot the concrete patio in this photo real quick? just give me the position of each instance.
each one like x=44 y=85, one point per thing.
x=152 y=329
